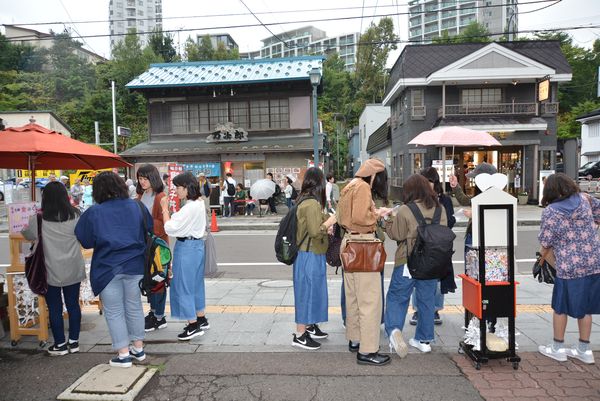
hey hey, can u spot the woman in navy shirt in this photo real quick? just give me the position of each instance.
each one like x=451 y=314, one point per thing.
x=113 y=227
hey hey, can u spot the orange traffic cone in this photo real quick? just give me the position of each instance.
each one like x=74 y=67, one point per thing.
x=214 y=228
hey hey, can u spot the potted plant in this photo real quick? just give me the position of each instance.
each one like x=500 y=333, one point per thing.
x=523 y=197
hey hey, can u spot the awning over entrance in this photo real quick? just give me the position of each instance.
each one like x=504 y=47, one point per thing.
x=270 y=145
x=497 y=124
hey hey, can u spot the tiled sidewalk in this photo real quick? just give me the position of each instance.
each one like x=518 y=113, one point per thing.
x=538 y=378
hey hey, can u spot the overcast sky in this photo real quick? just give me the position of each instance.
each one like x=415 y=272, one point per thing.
x=72 y=13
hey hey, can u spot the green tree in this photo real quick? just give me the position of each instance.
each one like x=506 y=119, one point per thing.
x=473 y=33
x=205 y=49
x=191 y=51
x=374 y=47
x=222 y=53
x=162 y=45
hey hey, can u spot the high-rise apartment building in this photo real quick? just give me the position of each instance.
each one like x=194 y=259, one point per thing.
x=310 y=41
x=141 y=15
x=430 y=18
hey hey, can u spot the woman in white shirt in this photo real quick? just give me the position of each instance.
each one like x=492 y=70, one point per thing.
x=188 y=225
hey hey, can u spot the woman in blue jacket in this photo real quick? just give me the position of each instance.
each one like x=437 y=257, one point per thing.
x=113 y=227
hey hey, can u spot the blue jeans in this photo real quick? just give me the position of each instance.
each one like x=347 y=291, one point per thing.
x=187 y=286
x=228 y=203
x=157 y=303
x=398 y=296
x=288 y=202
x=55 y=311
x=439 y=299
x=122 y=303
x=343 y=299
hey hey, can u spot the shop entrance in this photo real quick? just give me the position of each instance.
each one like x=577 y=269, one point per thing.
x=508 y=161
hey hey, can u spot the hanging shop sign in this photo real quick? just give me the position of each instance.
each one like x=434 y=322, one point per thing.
x=227 y=133
x=209 y=169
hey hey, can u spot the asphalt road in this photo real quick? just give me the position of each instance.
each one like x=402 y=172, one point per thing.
x=250 y=254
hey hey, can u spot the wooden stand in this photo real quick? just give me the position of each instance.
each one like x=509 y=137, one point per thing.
x=490 y=300
x=39 y=327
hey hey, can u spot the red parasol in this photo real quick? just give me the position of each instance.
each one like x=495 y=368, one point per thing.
x=35 y=147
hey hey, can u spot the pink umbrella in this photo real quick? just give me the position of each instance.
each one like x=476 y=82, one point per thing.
x=453 y=136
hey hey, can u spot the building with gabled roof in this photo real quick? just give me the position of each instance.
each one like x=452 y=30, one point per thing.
x=248 y=117
x=495 y=87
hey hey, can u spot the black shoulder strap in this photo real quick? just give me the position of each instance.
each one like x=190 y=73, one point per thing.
x=437 y=215
x=142 y=206
x=417 y=213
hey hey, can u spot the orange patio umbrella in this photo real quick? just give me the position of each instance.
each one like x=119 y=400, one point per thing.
x=34 y=147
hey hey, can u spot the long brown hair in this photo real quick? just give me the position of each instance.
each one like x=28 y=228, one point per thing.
x=313 y=185
x=417 y=188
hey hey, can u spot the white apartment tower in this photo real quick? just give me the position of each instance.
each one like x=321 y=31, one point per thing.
x=309 y=40
x=430 y=18
x=141 y=15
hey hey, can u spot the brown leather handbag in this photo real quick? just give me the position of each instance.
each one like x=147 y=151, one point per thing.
x=362 y=253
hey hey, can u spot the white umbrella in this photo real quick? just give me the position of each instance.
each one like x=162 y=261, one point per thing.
x=262 y=189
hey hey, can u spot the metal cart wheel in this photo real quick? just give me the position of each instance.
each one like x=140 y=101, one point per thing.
x=14 y=343
x=515 y=365
x=477 y=366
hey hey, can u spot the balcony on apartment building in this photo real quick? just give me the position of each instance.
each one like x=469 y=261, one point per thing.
x=513 y=108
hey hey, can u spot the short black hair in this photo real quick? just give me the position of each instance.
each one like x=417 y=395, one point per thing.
x=151 y=173
x=188 y=181
x=271 y=174
x=329 y=176
x=558 y=187
x=433 y=177
x=55 y=203
x=165 y=177
x=107 y=186
x=228 y=174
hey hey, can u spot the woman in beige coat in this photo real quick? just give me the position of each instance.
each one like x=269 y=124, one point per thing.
x=357 y=214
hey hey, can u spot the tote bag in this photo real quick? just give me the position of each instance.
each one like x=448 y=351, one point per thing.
x=35 y=264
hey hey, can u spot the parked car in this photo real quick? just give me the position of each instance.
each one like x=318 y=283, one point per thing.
x=590 y=169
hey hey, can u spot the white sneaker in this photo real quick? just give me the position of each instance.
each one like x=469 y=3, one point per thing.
x=397 y=343
x=559 y=355
x=585 y=357
x=419 y=345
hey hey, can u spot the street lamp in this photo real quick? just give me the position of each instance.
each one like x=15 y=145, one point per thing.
x=315 y=79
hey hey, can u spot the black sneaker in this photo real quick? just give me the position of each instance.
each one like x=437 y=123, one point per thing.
x=73 y=347
x=58 y=350
x=190 y=331
x=315 y=331
x=305 y=342
x=150 y=322
x=413 y=319
x=149 y=317
x=203 y=323
x=437 y=320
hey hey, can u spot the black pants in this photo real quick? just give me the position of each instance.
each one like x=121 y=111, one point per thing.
x=272 y=204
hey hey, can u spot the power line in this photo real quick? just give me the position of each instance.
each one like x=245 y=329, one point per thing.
x=28 y=38
x=258 y=19
x=285 y=12
x=541 y=8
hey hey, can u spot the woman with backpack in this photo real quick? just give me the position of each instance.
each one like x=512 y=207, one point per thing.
x=188 y=297
x=358 y=214
x=402 y=227
x=447 y=284
x=114 y=228
x=64 y=264
x=150 y=191
x=310 y=269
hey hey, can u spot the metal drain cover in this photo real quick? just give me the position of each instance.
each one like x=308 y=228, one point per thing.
x=276 y=284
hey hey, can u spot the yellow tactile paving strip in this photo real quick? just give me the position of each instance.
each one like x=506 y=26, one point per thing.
x=215 y=309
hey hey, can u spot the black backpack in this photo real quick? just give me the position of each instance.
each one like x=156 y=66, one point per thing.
x=230 y=188
x=294 y=193
x=286 y=246
x=433 y=249
x=157 y=261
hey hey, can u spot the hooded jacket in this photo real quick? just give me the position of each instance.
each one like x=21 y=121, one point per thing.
x=569 y=227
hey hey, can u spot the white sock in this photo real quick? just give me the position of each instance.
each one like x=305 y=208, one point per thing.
x=73 y=341
x=123 y=356
x=137 y=350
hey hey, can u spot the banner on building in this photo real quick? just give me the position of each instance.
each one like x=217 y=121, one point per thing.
x=173 y=171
